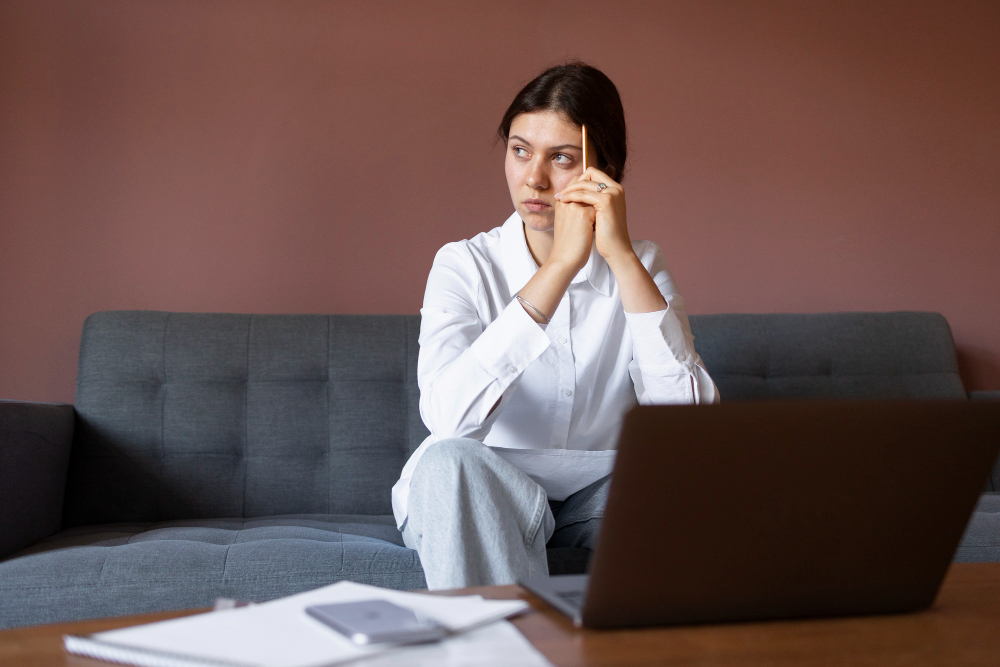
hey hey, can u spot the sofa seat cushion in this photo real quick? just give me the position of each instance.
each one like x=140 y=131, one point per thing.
x=981 y=542
x=130 y=568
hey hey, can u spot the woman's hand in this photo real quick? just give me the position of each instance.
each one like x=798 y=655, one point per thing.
x=573 y=236
x=639 y=293
x=608 y=204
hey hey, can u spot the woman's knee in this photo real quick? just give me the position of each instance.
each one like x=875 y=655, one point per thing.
x=445 y=457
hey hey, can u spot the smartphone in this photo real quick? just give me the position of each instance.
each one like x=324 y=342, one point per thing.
x=378 y=622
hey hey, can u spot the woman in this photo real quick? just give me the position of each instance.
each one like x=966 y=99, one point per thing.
x=535 y=339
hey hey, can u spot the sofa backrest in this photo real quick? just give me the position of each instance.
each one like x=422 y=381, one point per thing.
x=829 y=355
x=183 y=416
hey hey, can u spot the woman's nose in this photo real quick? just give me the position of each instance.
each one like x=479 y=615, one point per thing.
x=537 y=177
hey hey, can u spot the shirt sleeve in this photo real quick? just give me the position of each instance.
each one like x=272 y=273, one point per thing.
x=465 y=364
x=665 y=367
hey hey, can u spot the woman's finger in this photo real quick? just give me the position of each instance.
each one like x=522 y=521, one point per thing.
x=596 y=175
x=576 y=209
x=585 y=186
x=589 y=197
x=590 y=186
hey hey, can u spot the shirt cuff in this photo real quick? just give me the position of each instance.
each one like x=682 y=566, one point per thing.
x=659 y=343
x=511 y=342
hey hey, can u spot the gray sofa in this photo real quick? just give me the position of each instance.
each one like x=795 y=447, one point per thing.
x=251 y=456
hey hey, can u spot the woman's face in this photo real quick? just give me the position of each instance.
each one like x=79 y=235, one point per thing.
x=544 y=155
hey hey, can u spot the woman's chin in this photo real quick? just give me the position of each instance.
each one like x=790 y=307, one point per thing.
x=539 y=222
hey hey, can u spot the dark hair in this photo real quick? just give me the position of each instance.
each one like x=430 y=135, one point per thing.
x=588 y=97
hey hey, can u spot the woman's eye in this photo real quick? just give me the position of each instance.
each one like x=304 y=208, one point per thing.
x=519 y=151
x=562 y=158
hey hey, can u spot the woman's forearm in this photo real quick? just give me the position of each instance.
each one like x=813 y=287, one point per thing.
x=639 y=293
x=546 y=288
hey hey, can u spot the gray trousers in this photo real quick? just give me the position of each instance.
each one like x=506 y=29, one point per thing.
x=476 y=520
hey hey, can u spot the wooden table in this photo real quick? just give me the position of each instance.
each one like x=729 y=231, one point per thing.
x=962 y=628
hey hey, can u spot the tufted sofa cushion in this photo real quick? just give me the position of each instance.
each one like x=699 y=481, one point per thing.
x=191 y=415
x=829 y=355
x=130 y=568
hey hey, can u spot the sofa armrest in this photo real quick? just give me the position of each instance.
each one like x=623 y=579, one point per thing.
x=985 y=395
x=35 y=440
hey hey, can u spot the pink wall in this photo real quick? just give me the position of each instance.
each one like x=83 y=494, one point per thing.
x=312 y=156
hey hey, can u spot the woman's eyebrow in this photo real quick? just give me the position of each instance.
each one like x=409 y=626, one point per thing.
x=551 y=148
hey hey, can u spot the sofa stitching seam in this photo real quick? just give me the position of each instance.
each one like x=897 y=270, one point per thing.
x=163 y=413
x=104 y=564
x=225 y=564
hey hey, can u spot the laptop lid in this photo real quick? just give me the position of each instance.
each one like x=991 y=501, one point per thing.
x=756 y=510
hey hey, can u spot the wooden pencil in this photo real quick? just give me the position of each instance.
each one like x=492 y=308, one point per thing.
x=584 y=128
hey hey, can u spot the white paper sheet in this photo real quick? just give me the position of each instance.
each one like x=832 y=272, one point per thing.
x=561 y=472
x=281 y=634
x=495 y=645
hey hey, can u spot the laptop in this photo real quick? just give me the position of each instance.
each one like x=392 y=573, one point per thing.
x=772 y=510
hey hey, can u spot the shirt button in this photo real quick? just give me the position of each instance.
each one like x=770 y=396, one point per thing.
x=511 y=369
x=567 y=392
x=561 y=339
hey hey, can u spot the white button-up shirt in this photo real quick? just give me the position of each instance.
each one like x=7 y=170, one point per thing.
x=562 y=386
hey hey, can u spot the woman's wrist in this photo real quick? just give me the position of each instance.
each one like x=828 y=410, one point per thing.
x=559 y=270
x=545 y=290
x=624 y=261
x=639 y=293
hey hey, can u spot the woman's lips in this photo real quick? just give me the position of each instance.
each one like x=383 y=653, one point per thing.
x=536 y=206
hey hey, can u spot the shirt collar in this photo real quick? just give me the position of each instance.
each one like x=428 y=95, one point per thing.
x=519 y=266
